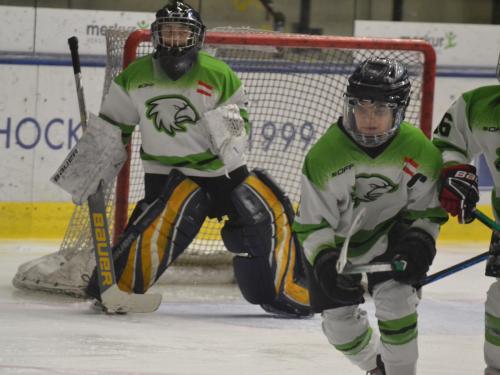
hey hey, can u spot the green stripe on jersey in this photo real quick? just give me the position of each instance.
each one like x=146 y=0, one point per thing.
x=205 y=161
x=435 y=215
x=304 y=230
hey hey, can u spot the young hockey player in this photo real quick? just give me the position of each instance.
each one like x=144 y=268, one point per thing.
x=371 y=160
x=191 y=110
x=471 y=126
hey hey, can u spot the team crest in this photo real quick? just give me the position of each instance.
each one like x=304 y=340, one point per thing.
x=171 y=113
x=370 y=187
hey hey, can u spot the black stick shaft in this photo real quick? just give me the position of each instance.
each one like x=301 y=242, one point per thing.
x=454 y=269
x=96 y=202
x=75 y=59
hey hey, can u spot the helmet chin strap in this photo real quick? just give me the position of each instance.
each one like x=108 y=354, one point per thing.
x=176 y=66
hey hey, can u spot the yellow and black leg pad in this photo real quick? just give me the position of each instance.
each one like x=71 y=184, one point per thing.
x=267 y=266
x=157 y=234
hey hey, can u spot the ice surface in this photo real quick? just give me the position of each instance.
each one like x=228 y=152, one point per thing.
x=212 y=330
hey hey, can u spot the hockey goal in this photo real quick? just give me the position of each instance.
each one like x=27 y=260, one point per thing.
x=295 y=84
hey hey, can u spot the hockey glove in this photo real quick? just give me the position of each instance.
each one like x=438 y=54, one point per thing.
x=459 y=191
x=417 y=248
x=342 y=289
x=493 y=263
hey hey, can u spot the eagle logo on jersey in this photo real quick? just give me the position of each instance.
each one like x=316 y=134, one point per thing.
x=171 y=113
x=370 y=187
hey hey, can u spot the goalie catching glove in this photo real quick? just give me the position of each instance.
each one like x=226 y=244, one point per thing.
x=226 y=129
x=98 y=156
x=459 y=191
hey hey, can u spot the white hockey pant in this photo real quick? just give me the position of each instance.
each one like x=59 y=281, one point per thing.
x=348 y=330
x=492 y=330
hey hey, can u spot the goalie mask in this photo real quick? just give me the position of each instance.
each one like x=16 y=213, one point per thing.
x=178 y=34
x=375 y=101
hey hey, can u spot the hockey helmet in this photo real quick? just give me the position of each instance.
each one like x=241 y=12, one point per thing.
x=178 y=33
x=378 y=91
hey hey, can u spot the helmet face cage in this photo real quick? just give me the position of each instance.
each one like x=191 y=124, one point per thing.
x=177 y=34
x=378 y=92
x=384 y=111
x=177 y=29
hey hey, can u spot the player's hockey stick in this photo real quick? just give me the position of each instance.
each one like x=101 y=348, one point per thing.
x=112 y=298
x=468 y=262
x=454 y=269
x=485 y=220
x=345 y=267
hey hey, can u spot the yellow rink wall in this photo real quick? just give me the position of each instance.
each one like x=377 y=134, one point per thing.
x=48 y=221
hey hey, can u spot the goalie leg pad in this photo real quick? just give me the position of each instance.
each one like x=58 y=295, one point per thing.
x=263 y=230
x=158 y=234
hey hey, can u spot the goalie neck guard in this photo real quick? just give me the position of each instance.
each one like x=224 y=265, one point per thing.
x=178 y=33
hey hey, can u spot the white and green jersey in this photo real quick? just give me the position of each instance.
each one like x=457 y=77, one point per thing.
x=168 y=112
x=471 y=126
x=339 y=178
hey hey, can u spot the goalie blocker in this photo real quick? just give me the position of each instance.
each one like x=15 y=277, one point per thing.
x=267 y=266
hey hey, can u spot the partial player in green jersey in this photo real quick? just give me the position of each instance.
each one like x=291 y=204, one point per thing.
x=371 y=161
x=191 y=110
x=471 y=126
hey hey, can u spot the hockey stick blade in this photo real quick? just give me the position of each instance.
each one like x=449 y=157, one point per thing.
x=356 y=223
x=115 y=300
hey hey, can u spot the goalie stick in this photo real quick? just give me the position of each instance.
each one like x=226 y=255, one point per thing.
x=113 y=299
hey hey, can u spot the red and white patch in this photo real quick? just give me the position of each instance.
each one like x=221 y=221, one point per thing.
x=204 y=88
x=410 y=166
